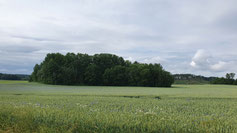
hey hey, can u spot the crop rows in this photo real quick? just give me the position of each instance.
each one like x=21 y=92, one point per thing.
x=24 y=112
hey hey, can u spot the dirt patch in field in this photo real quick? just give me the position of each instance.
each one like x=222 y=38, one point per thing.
x=17 y=94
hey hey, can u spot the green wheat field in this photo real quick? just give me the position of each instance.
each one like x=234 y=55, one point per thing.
x=34 y=107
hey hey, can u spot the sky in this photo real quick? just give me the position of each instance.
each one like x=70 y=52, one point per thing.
x=184 y=36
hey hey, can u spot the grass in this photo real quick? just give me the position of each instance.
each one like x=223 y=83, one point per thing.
x=12 y=82
x=33 y=107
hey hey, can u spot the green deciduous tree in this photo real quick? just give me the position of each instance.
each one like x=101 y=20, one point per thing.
x=99 y=69
x=116 y=76
x=92 y=75
x=228 y=80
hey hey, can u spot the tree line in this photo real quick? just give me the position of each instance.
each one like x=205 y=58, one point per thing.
x=99 y=70
x=192 y=79
x=13 y=76
x=229 y=80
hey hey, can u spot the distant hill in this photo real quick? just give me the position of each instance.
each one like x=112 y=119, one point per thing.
x=192 y=79
x=13 y=76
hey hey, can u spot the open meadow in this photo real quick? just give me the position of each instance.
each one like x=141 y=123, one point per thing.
x=34 y=107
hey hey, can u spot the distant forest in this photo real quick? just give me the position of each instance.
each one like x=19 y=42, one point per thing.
x=192 y=79
x=13 y=76
x=229 y=79
x=99 y=70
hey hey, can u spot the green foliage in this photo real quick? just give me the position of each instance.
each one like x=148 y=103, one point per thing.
x=13 y=77
x=134 y=74
x=229 y=80
x=230 y=75
x=99 y=69
x=116 y=76
x=92 y=75
x=235 y=83
x=33 y=107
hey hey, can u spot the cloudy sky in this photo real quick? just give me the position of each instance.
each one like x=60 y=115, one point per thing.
x=185 y=36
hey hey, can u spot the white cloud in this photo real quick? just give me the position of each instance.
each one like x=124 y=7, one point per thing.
x=206 y=62
x=129 y=59
x=220 y=66
x=193 y=64
x=153 y=60
x=201 y=59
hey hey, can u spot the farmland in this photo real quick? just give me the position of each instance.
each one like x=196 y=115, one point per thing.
x=34 y=107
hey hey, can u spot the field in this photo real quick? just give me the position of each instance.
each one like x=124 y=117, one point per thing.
x=33 y=107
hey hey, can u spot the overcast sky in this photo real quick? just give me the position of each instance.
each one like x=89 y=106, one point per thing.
x=185 y=36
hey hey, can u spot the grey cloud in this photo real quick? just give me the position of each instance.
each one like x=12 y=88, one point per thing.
x=152 y=31
x=10 y=48
x=33 y=38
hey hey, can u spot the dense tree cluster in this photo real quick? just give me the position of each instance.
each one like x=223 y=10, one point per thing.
x=13 y=77
x=229 y=79
x=99 y=69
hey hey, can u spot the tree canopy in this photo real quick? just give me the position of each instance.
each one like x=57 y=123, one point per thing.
x=13 y=76
x=229 y=79
x=98 y=69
